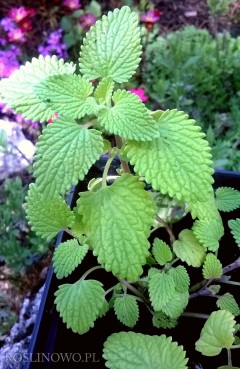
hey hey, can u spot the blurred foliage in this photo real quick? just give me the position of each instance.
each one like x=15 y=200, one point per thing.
x=7 y=316
x=219 y=7
x=200 y=74
x=19 y=246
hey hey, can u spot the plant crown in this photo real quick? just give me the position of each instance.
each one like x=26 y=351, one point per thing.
x=166 y=150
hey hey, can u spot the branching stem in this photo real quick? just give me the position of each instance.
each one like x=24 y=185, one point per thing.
x=124 y=164
x=90 y=271
x=195 y=315
x=168 y=228
x=134 y=290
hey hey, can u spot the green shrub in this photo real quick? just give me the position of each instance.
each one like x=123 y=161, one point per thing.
x=192 y=70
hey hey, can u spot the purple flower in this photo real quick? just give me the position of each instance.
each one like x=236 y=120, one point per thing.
x=3 y=41
x=54 y=45
x=87 y=20
x=7 y=24
x=16 y=35
x=72 y=4
x=152 y=16
x=8 y=63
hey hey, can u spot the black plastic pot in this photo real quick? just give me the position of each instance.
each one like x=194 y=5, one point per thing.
x=51 y=341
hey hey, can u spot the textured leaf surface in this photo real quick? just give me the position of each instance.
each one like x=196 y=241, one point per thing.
x=214 y=288
x=67 y=257
x=128 y=118
x=129 y=350
x=65 y=94
x=177 y=304
x=104 y=90
x=228 y=302
x=18 y=90
x=181 y=278
x=104 y=309
x=208 y=232
x=65 y=152
x=117 y=220
x=161 y=252
x=234 y=225
x=47 y=218
x=112 y=47
x=161 y=289
x=212 y=267
x=126 y=309
x=79 y=304
x=227 y=199
x=161 y=320
x=188 y=249
x=178 y=163
x=217 y=333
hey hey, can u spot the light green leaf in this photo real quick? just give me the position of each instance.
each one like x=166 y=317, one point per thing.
x=217 y=333
x=104 y=309
x=161 y=320
x=126 y=310
x=212 y=267
x=228 y=302
x=65 y=152
x=214 y=288
x=129 y=350
x=65 y=94
x=128 y=118
x=104 y=90
x=49 y=217
x=208 y=232
x=3 y=138
x=234 y=225
x=228 y=367
x=77 y=228
x=117 y=220
x=165 y=161
x=112 y=47
x=205 y=209
x=18 y=89
x=161 y=252
x=177 y=304
x=79 y=304
x=227 y=199
x=161 y=289
x=67 y=257
x=181 y=278
x=188 y=249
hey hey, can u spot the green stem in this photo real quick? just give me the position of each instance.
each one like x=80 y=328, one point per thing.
x=89 y=124
x=90 y=271
x=229 y=357
x=168 y=228
x=230 y=282
x=67 y=230
x=235 y=347
x=124 y=164
x=106 y=169
x=134 y=290
x=195 y=315
x=110 y=289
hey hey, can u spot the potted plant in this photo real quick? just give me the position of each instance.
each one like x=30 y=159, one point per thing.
x=114 y=234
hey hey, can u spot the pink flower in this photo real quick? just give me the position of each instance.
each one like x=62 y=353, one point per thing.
x=140 y=93
x=87 y=20
x=26 y=25
x=72 y=4
x=16 y=35
x=18 y=14
x=55 y=116
x=152 y=16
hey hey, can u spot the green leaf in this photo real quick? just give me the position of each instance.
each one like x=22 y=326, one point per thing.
x=217 y=333
x=234 y=225
x=128 y=118
x=104 y=90
x=165 y=161
x=49 y=217
x=188 y=249
x=67 y=257
x=112 y=47
x=79 y=304
x=161 y=289
x=161 y=320
x=212 y=267
x=181 y=278
x=18 y=90
x=227 y=199
x=129 y=350
x=117 y=220
x=65 y=152
x=104 y=309
x=177 y=304
x=161 y=252
x=65 y=94
x=228 y=302
x=3 y=138
x=94 y=8
x=214 y=289
x=126 y=310
x=208 y=232
x=228 y=367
